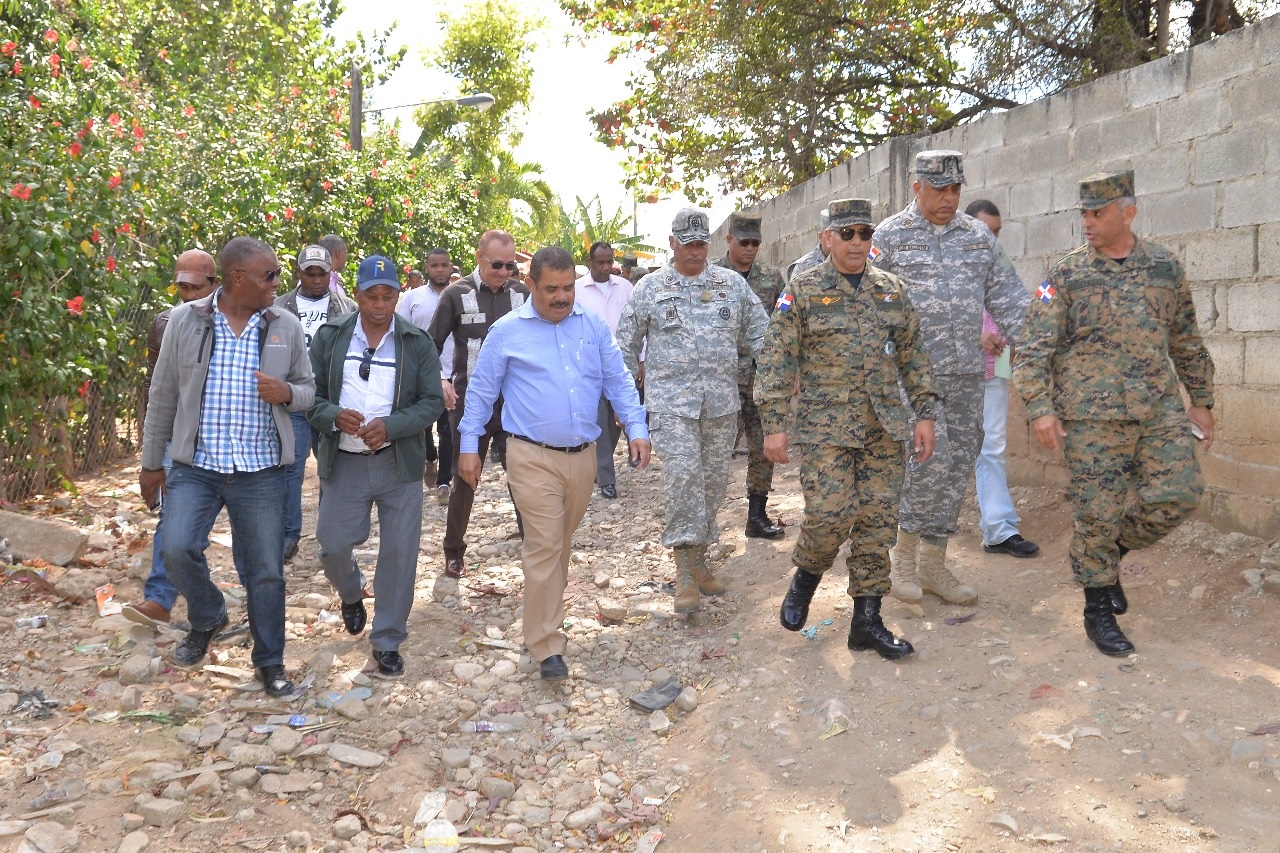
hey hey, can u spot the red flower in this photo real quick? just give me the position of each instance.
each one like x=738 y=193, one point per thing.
x=21 y=191
x=328 y=185
x=55 y=63
x=271 y=217
x=374 y=173
x=50 y=35
x=88 y=125
x=404 y=238
x=83 y=389
x=295 y=91
x=35 y=102
x=138 y=131
x=95 y=237
x=17 y=68
x=85 y=62
x=368 y=201
x=124 y=229
x=189 y=111
x=137 y=149
x=76 y=306
x=113 y=182
x=288 y=213
x=74 y=150
x=10 y=46
x=164 y=53
x=333 y=93
x=111 y=263
x=113 y=120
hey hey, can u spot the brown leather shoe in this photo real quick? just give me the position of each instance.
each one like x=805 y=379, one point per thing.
x=147 y=613
x=455 y=568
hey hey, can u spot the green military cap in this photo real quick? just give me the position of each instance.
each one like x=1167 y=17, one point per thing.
x=744 y=226
x=845 y=212
x=1098 y=191
x=691 y=225
x=940 y=168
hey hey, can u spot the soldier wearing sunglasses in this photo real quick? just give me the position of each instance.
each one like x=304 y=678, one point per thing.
x=743 y=244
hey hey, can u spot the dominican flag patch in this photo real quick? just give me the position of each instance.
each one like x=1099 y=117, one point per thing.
x=1046 y=292
x=874 y=254
x=783 y=303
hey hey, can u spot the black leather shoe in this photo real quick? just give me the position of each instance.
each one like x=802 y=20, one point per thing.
x=1100 y=623
x=795 y=606
x=867 y=630
x=758 y=524
x=290 y=549
x=354 y=616
x=195 y=645
x=275 y=680
x=390 y=664
x=609 y=492
x=553 y=668
x=1119 y=601
x=455 y=568
x=1015 y=546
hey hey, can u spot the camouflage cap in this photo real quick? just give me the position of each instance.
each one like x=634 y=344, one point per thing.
x=744 y=226
x=940 y=168
x=1098 y=191
x=846 y=212
x=691 y=225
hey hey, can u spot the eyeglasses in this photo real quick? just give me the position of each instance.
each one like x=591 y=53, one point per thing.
x=268 y=278
x=847 y=234
x=752 y=243
x=366 y=363
x=509 y=266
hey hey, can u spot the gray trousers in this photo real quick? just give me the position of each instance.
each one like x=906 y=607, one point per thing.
x=353 y=486
x=610 y=432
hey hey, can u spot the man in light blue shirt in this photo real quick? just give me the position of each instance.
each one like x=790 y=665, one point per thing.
x=551 y=362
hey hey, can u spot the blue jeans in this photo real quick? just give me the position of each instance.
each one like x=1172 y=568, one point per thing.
x=293 y=477
x=195 y=497
x=999 y=518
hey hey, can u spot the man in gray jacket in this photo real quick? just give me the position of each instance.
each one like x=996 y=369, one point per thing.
x=230 y=370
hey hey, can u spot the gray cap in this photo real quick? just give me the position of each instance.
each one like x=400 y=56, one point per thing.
x=1098 y=191
x=940 y=168
x=691 y=225
x=315 y=256
x=824 y=219
x=744 y=226
x=846 y=212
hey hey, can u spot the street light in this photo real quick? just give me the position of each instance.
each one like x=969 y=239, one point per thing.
x=480 y=100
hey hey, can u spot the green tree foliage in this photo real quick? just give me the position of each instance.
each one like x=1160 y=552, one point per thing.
x=575 y=231
x=762 y=96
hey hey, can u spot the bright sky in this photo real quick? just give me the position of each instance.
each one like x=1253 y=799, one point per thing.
x=569 y=80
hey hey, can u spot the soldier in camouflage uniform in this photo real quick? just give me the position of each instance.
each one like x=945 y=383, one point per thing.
x=743 y=242
x=818 y=254
x=848 y=332
x=1111 y=334
x=952 y=270
x=700 y=323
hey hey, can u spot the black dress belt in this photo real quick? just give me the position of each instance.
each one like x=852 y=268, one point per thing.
x=577 y=449
x=386 y=446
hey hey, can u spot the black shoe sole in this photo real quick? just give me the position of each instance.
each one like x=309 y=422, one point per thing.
x=213 y=636
x=894 y=654
x=1000 y=549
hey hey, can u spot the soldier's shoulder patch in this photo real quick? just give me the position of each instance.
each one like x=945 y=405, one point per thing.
x=1046 y=292
x=784 y=302
x=874 y=255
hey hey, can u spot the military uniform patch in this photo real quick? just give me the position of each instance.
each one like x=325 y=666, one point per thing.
x=1046 y=292
x=783 y=303
x=725 y=313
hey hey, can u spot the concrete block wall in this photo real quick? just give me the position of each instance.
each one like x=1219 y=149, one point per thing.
x=1201 y=129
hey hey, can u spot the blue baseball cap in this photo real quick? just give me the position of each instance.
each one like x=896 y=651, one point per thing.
x=375 y=270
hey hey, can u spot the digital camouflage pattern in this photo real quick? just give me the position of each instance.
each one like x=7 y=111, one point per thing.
x=848 y=347
x=940 y=168
x=951 y=277
x=695 y=333
x=804 y=263
x=1098 y=191
x=1107 y=344
x=695 y=456
x=766 y=283
x=933 y=490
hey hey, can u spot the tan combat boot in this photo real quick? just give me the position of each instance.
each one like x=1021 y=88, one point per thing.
x=687 y=598
x=935 y=578
x=905 y=585
x=707 y=582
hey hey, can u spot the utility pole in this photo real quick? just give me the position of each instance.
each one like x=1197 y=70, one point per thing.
x=357 y=108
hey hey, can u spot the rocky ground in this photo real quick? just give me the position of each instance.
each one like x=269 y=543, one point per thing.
x=1005 y=731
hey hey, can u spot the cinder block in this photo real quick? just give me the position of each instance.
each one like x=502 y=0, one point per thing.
x=1060 y=113
x=1253 y=413
x=1254 y=308
x=879 y=156
x=975 y=172
x=1229 y=155
x=1047 y=155
x=1222 y=58
x=1269 y=250
x=1086 y=144
x=1253 y=96
x=1014 y=235
x=1195 y=115
x=1054 y=234
x=985 y=133
x=1032 y=197
x=1261 y=360
x=1222 y=255
x=1182 y=212
x=1266 y=41
x=1255 y=516
x=1228 y=353
x=1129 y=133
x=1161 y=80
x=1207 y=313
x=1165 y=169
x=1100 y=100
x=1025 y=123
x=1251 y=201
x=1006 y=164
x=1032 y=270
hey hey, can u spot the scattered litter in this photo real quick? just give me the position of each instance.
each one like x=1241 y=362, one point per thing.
x=1045 y=691
x=959 y=620
x=1266 y=729
x=812 y=631
x=1066 y=739
x=832 y=730
x=649 y=842
x=33 y=701
x=656 y=697
x=987 y=794
x=107 y=604
x=1006 y=821
x=1047 y=837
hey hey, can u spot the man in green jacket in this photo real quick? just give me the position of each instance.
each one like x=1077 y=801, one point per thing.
x=377 y=392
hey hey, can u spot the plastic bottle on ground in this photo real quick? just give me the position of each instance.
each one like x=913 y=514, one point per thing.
x=440 y=836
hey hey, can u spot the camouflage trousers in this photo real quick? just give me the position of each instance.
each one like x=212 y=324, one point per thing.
x=759 y=469
x=695 y=473
x=1131 y=483
x=933 y=491
x=851 y=493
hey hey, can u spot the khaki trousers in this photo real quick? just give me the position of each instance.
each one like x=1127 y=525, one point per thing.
x=551 y=490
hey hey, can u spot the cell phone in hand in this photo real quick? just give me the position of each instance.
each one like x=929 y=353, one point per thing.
x=634 y=460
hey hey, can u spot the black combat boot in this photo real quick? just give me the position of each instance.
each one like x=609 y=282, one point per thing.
x=758 y=524
x=795 y=606
x=1119 y=601
x=867 y=630
x=1100 y=622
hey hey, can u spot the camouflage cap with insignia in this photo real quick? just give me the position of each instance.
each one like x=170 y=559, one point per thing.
x=744 y=226
x=1098 y=191
x=940 y=168
x=691 y=225
x=846 y=212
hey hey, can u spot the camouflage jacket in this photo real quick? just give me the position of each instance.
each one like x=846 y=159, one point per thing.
x=1109 y=340
x=806 y=262
x=766 y=283
x=849 y=348
x=951 y=277
x=694 y=333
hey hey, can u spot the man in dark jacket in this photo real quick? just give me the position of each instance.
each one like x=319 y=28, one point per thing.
x=377 y=392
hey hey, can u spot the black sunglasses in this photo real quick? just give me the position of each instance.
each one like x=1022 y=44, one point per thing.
x=752 y=243
x=270 y=277
x=847 y=234
x=366 y=363
x=510 y=266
